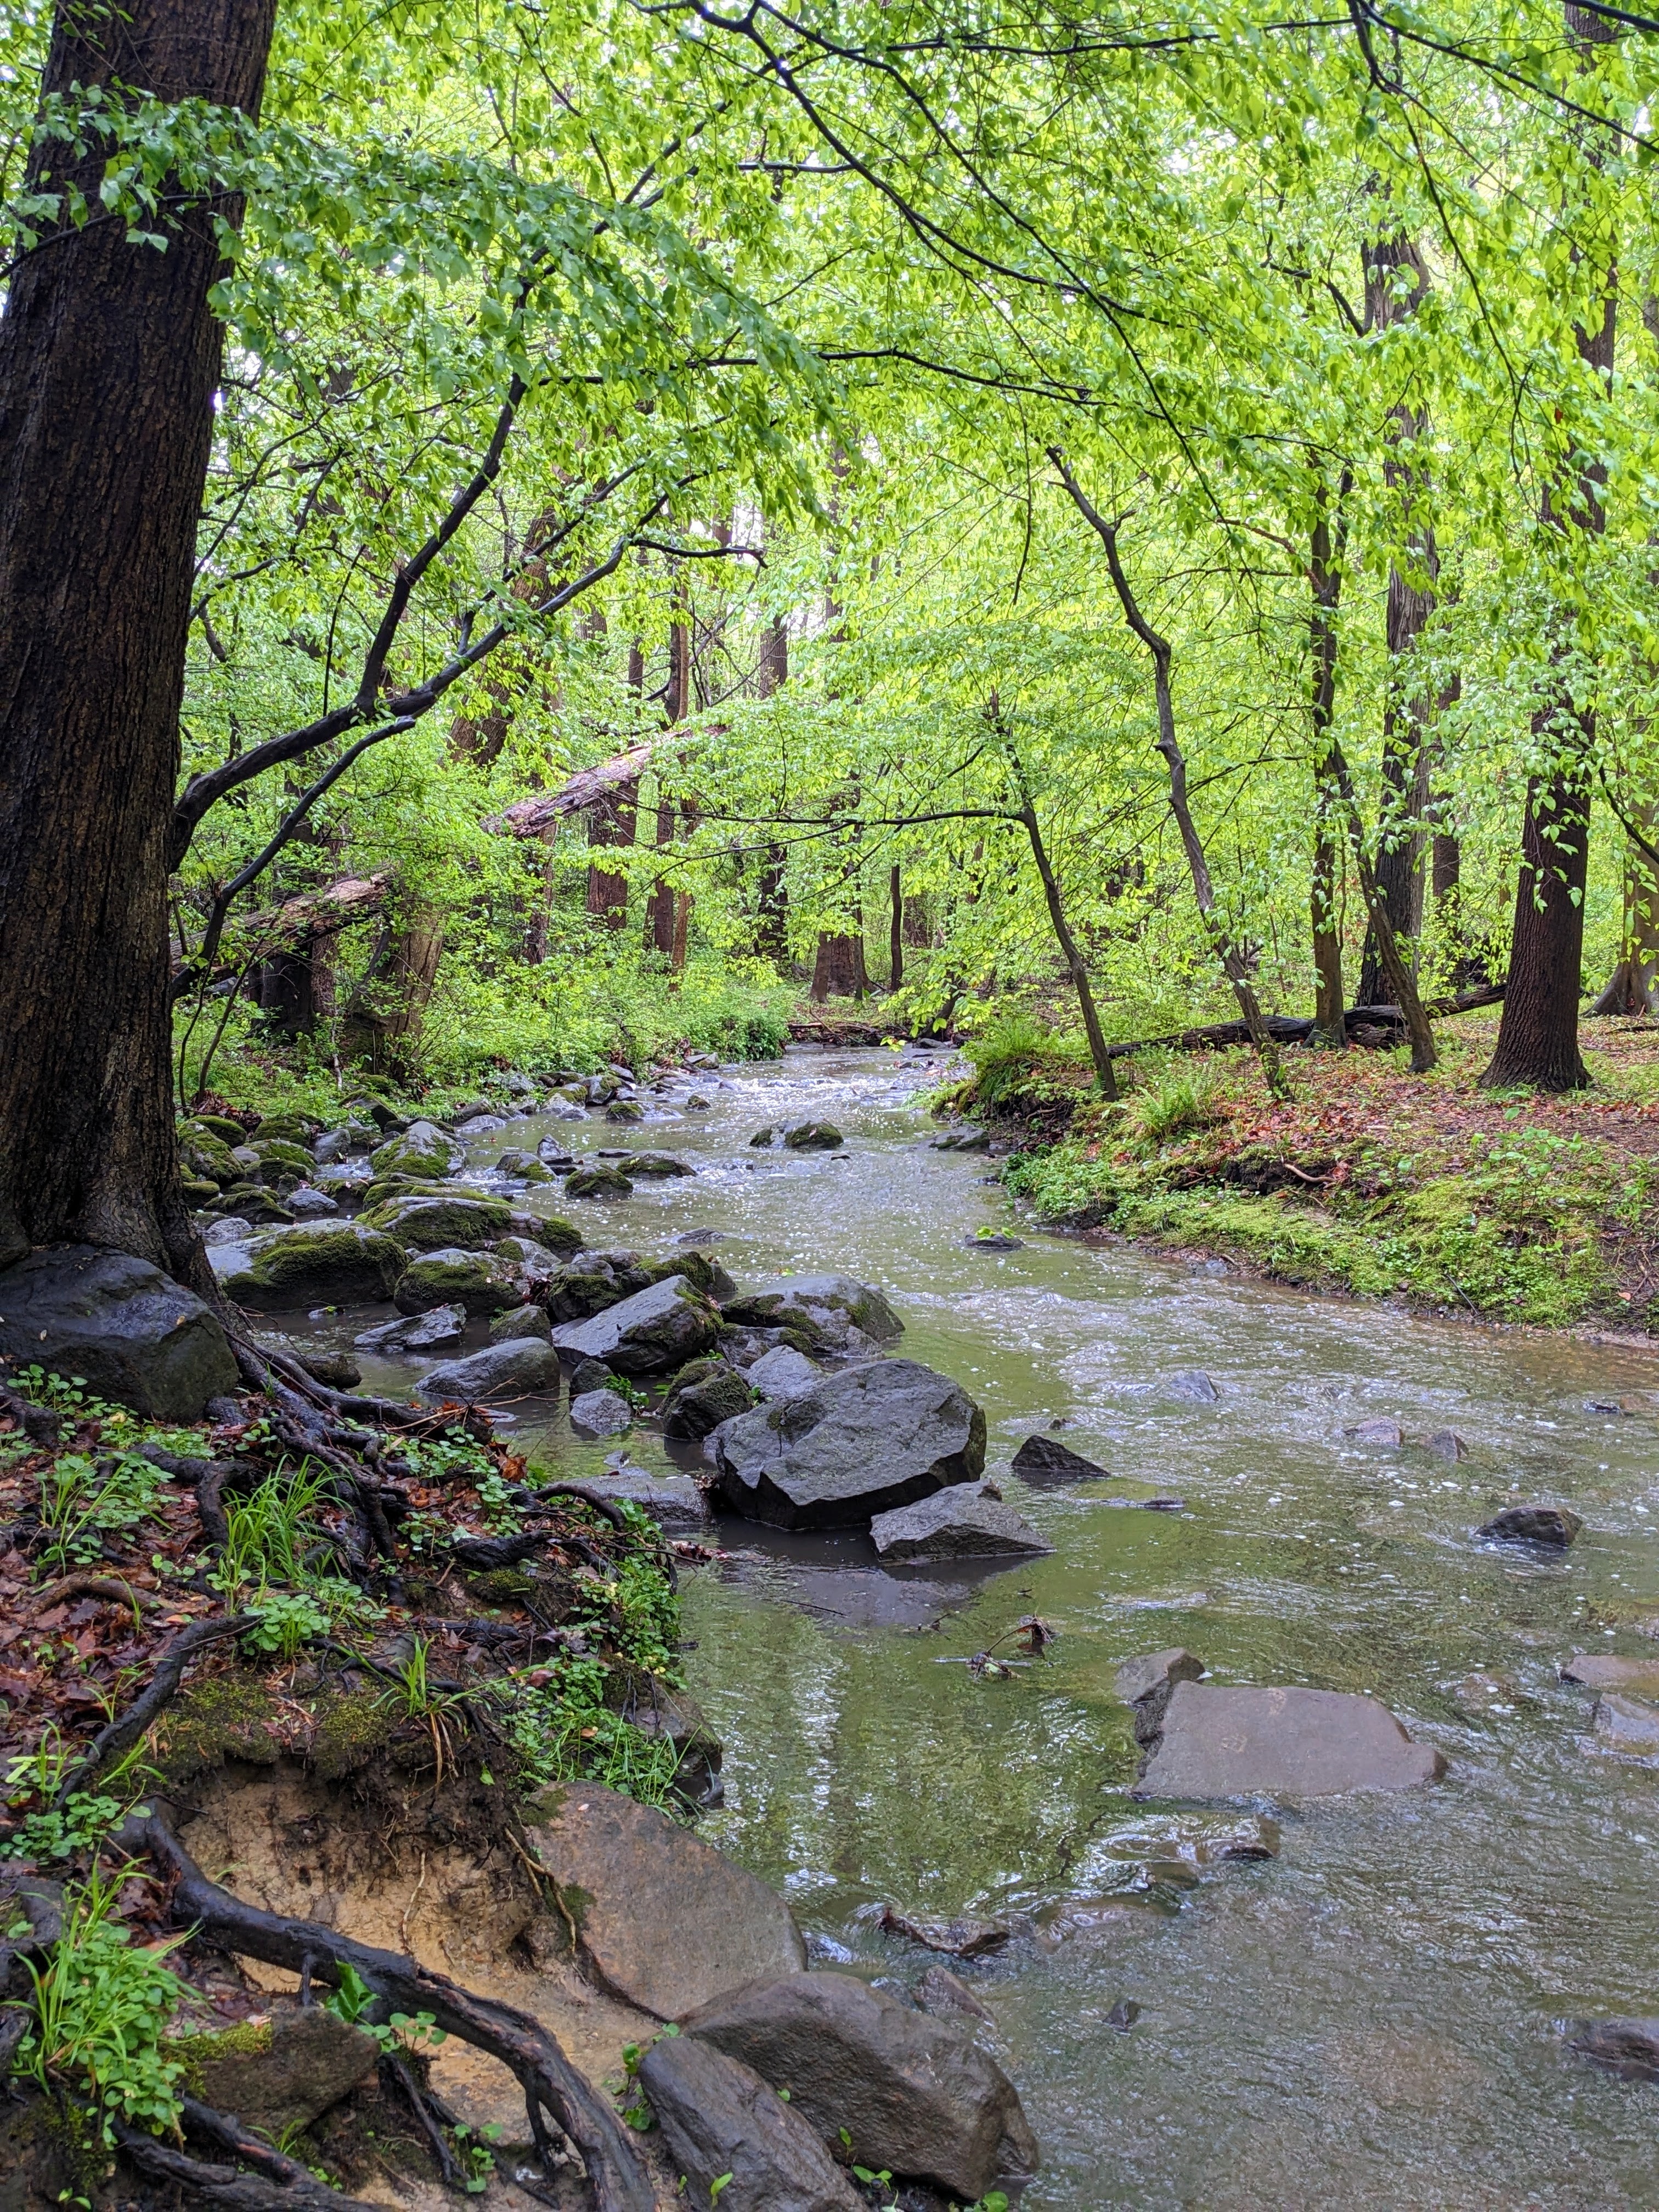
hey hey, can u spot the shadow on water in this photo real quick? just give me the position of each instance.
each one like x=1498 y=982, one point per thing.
x=1368 y=2019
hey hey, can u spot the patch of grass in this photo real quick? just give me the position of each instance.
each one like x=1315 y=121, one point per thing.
x=1175 y=1101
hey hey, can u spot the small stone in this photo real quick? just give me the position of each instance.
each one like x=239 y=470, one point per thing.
x=762 y=1138
x=1628 y=2048
x=813 y=1137
x=281 y=2075
x=521 y=1167
x=600 y=1413
x=946 y=1995
x=1447 y=1445
x=993 y=1241
x=1123 y=2015
x=1194 y=1385
x=520 y=1320
x=1040 y=1461
x=1382 y=1431
x=307 y=1204
x=229 y=1229
x=589 y=1375
x=624 y=1109
x=962 y=1937
x=1554 y=1525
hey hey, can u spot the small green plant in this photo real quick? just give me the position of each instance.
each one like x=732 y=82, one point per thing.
x=284 y=1619
x=84 y=1501
x=477 y=2158
x=100 y=2007
x=717 y=2187
x=272 y=1531
x=500 y=1513
x=1175 y=1103
x=352 y=2000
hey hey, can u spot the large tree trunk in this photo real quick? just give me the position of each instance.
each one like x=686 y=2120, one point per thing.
x=838 y=971
x=1327 y=581
x=109 y=357
x=1538 y=1035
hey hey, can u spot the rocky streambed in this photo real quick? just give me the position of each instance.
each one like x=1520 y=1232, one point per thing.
x=1271 y=1842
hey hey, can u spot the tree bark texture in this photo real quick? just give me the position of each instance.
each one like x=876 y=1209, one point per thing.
x=1327 y=581
x=1537 y=1046
x=895 y=933
x=1633 y=987
x=109 y=357
x=839 y=970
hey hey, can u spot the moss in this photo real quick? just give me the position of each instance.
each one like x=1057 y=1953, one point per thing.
x=248 y=2039
x=227 y=1717
x=502 y=1586
x=349 y=1729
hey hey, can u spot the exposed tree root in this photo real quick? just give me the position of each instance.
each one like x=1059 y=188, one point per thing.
x=128 y=1727
x=283 y=2185
x=551 y=2084
x=37 y=1423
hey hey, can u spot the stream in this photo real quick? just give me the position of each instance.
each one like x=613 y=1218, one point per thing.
x=1373 y=2017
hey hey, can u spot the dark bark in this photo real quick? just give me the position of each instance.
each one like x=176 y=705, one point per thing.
x=895 y=934
x=839 y=970
x=1537 y=1046
x=109 y=357
x=661 y=908
x=772 y=898
x=1326 y=578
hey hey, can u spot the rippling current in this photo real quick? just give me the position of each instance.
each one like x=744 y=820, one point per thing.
x=1370 y=2019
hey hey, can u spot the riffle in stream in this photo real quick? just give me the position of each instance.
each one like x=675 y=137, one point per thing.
x=1373 y=2017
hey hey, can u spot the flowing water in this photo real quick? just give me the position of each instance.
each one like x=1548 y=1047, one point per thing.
x=1372 y=2018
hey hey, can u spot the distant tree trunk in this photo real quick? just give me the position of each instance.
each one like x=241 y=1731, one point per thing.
x=384 y=1023
x=895 y=935
x=839 y=970
x=109 y=358
x=1633 y=987
x=660 y=911
x=612 y=820
x=1327 y=582
x=1537 y=1046
x=772 y=895
x=1410 y=605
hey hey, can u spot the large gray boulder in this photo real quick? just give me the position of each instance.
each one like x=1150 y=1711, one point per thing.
x=428 y=1225
x=503 y=1371
x=917 y=2095
x=663 y=1920
x=1220 y=1740
x=653 y=1333
x=132 y=1333
x=719 y=2118
x=825 y=1307
x=859 y=1443
x=966 y=1521
x=337 y=1264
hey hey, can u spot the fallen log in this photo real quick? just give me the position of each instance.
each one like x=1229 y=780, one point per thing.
x=533 y=816
x=1294 y=1029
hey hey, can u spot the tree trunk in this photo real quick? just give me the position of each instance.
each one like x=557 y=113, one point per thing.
x=109 y=357
x=1327 y=581
x=1077 y=965
x=895 y=935
x=838 y=971
x=659 y=908
x=611 y=820
x=383 y=1024
x=1633 y=987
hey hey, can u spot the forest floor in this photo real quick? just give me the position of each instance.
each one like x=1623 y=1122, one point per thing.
x=1499 y=1205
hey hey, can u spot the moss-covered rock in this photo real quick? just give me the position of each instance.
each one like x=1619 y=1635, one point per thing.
x=281 y=2073
x=292 y=1128
x=282 y=1153
x=205 y=1155
x=502 y=1586
x=450 y=1276
x=597 y=1182
x=337 y=1264
x=558 y=1235
x=217 y=1125
x=422 y=1149
x=523 y=1167
x=428 y=1223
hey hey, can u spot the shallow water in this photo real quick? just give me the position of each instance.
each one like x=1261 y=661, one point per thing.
x=1370 y=2019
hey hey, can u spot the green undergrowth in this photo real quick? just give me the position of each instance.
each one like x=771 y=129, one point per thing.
x=1525 y=1226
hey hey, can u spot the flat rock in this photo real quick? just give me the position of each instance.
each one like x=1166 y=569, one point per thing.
x=1222 y=1741
x=653 y=1333
x=1194 y=1385
x=1380 y=1431
x=947 y=1997
x=135 y=1336
x=410 y=1332
x=504 y=1370
x=782 y=1372
x=663 y=1919
x=673 y=1501
x=917 y=2095
x=963 y=1522
x=1044 y=1459
x=432 y=1224
x=1602 y=1670
x=1628 y=2048
x=722 y=2123
x=1156 y=1670
x=826 y=1305
x=600 y=1412
x=1627 y=1727
x=337 y=1264
x=860 y=1443
x=475 y=1281
x=285 y=2074
x=1554 y=1525
x=961 y=1935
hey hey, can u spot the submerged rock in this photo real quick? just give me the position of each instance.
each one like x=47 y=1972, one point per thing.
x=1144 y=1684
x=653 y=1333
x=1042 y=1460
x=917 y=2096
x=723 y=2124
x=967 y=1521
x=1194 y=1385
x=421 y=1332
x=673 y=1501
x=946 y=1995
x=1222 y=1741
x=1554 y=1525
x=825 y=1305
x=667 y=1921
x=813 y=1137
x=1602 y=1670
x=505 y=1370
x=1380 y=1431
x=337 y=1368
x=135 y=1335
x=860 y=1443
x=1447 y=1445
x=341 y=1264
x=1628 y=2048
x=1627 y=1728
x=961 y=1936
x=600 y=1413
